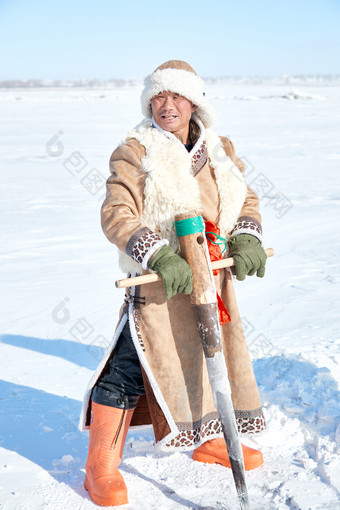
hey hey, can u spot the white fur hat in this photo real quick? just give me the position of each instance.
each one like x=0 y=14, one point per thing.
x=177 y=76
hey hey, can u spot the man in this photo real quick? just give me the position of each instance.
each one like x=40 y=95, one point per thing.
x=154 y=371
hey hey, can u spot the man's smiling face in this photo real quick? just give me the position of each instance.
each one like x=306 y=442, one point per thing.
x=172 y=112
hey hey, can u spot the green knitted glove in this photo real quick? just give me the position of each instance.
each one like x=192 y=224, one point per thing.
x=174 y=271
x=249 y=256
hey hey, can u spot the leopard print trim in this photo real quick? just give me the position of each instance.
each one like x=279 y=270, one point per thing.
x=140 y=244
x=250 y=422
x=248 y=225
x=191 y=434
x=137 y=316
x=199 y=159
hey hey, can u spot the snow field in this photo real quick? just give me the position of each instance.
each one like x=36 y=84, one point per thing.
x=59 y=304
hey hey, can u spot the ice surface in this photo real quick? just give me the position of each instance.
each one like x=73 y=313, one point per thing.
x=59 y=304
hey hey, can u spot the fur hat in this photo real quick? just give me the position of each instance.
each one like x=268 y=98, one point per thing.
x=179 y=77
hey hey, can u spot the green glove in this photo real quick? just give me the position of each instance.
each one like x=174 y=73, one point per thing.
x=174 y=271
x=249 y=256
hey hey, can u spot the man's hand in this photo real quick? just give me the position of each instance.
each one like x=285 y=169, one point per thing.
x=248 y=254
x=174 y=271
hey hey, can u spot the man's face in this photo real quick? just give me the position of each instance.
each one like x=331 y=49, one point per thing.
x=172 y=112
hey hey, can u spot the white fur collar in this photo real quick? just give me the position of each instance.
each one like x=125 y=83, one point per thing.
x=171 y=188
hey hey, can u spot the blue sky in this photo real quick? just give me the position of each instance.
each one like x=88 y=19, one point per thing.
x=70 y=39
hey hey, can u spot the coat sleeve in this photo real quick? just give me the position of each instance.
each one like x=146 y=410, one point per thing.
x=249 y=221
x=121 y=212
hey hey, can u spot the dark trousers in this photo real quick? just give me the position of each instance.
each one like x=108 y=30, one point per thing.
x=121 y=383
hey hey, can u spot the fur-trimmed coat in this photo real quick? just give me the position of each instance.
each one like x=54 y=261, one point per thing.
x=153 y=178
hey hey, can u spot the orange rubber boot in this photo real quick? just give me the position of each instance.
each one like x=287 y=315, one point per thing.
x=215 y=452
x=108 y=432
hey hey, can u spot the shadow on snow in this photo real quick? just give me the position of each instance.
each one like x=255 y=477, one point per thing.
x=301 y=390
x=83 y=355
x=43 y=428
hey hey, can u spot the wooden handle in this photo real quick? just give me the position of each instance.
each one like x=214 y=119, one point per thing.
x=150 y=278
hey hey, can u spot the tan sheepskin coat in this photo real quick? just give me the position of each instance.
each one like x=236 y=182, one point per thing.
x=151 y=180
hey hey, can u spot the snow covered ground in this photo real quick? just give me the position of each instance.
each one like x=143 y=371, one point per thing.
x=59 y=305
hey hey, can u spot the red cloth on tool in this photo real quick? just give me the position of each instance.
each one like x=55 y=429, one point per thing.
x=215 y=253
